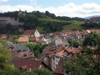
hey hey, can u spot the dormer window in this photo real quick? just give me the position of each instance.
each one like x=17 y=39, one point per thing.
x=19 y=51
x=23 y=50
x=24 y=55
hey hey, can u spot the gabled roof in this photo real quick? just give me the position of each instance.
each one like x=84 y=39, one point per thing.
x=61 y=53
x=23 y=39
x=16 y=57
x=3 y=37
x=21 y=55
x=29 y=32
x=88 y=31
x=55 y=38
x=17 y=47
x=73 y=50
x=59 y=68
x=25 y=64
x=36 y=39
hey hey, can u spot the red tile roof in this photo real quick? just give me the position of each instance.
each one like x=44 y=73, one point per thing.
x=95 y=19
x=23 y=39
x=4 y=37
x=61 y=53
x=29 y=32
x=36 y=39
x=24 y=55
x=25 y=64
x=59 y=68
x=53 y=49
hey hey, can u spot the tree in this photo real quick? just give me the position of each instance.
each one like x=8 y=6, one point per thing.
x=4 y=72
x=85 y=63
x=4 y=43
x=75 y=43
x=15 y=41
x=91 y=39
x=43 y=72
x=35 y=47
x=30 y=40
x=34 y=72
x=5 y=57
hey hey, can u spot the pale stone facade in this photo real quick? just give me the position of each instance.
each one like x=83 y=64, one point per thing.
x=33 y=34
x=57 y=42
x=36 y=33
x=54 y=61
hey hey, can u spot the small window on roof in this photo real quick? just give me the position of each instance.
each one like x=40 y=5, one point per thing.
x=24 y=55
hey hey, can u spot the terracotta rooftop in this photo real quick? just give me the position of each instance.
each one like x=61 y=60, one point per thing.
x=59 y=68
x=3 y=37
x=72 y=49
x=88 y=31
x=95 y=19
x=61 y=53
x=64 y=35
x=23 y=39
x=29 y=32
x=25 y=64
x=24 y=55
x=36 y=39
x=53 y=49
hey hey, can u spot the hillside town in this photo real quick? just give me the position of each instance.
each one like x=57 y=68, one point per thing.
x=52 y=57
x=42 y=43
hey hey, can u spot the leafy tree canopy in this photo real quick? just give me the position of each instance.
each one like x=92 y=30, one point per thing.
x=91 y=39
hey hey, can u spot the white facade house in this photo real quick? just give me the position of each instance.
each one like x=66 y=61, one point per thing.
x=46 y=61
x=55 y=61
x=36 y=33
x=57 y=42
x=31 y=33
x=52 y=61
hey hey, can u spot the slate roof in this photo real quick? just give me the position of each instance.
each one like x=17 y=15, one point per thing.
x=18 y=47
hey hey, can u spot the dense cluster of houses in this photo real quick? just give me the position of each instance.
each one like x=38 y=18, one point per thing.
x=51 y=57
x=95 y=19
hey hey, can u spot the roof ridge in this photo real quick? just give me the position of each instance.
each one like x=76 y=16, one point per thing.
x=14 y=46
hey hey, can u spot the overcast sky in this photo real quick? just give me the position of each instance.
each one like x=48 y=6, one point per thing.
x=71 y=8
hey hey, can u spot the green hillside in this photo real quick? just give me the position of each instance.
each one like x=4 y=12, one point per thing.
x=73 y=26
x=53 y=20
x=46 y=22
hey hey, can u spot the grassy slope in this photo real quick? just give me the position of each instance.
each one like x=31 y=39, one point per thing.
x=55 y=20
x=49 y=20
x=75 y=25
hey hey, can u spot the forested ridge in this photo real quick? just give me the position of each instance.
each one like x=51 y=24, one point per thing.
x=49 y=22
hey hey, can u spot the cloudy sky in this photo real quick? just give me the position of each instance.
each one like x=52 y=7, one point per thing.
x=71 y=8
